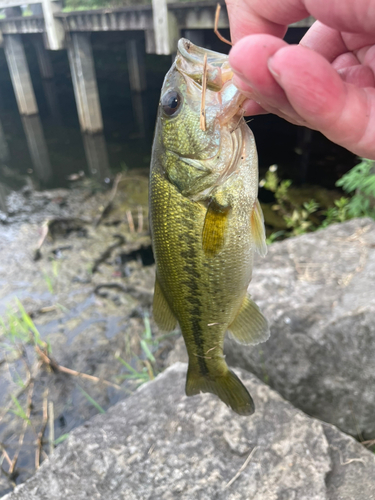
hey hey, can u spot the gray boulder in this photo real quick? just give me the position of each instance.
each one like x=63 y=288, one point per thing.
x=318 y=293
x=159 y=444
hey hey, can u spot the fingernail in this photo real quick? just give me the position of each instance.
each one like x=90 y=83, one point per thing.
x=274 y=73
x=237 y=72
x=243 y=86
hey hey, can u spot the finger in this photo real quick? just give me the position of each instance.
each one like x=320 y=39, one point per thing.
x=345 y=61
x=342 y=112
x=343 y=15
x=325 y=40
x=360 y=76
x=248 y=59
x=272 y=16
x=251 y=108
x=262 y=16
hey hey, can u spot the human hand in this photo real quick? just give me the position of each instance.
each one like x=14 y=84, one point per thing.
x=326 y=83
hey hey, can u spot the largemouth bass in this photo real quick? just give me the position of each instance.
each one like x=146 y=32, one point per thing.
x=206 y=221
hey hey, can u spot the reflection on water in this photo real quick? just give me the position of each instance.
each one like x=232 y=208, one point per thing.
x=37 y=147
x=97 y=156
x=139 y=113
x=50 y=93
x=48 y=148
x=4 y=150
x=53 y=148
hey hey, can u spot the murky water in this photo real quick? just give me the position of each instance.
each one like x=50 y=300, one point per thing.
x=49 y=148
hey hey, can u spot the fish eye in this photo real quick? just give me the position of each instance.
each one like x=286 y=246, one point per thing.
x=171 y=102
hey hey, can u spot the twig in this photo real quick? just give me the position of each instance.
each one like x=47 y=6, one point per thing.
x=130 y=220
x=24 y=427
x=368 y=443
x=112 y=195
x=216 y=30
x=42 y=430
x=51 y=419
x=5 y=455
x=203 y=100
x=42 y=239
x=53 y=363
x=140 y=219
x=246 y=463
x=350 y=460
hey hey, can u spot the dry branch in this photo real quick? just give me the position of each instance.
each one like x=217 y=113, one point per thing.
x=106 y=209
x=216 y=30
x=203 y=101
x=42 y=430
x=56 y=367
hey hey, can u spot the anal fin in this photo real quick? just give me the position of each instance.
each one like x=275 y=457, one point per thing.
x=249 y=327
x=162 y=313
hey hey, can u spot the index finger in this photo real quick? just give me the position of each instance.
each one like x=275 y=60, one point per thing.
x=249 y=17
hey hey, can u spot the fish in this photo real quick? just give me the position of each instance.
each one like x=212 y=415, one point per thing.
x=205 y=220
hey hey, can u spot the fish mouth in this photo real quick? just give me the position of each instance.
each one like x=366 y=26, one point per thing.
x=195 y=54
x=190 y=62
x=190 y=59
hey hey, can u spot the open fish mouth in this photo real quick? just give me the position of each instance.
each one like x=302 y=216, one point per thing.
x=195 y=54
x=219 y=74
x=190 y=59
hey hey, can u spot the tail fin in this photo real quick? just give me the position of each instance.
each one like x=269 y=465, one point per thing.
x=228 y=388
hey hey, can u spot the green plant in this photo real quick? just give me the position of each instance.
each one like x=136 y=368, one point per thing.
x=19 y=411
x=148 y=344
x=18 y=329
x=338 y=213
x=91 y=400
x=297 y=218
x=360 y=180
x=51 y=280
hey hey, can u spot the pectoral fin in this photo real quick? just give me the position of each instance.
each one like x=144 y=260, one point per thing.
x=249 y=326
x=163 y=315
x=215 y=224
x=257 y=229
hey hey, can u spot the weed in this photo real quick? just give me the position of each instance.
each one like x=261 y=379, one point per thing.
x=148 y=344
x=360 y=180
x=91 y=400
x=60 y=439
x=19 y=411
x=298 y=219
x=17 y=331
x=311 y=216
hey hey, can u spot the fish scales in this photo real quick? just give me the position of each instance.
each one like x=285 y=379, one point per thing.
x=204 y=231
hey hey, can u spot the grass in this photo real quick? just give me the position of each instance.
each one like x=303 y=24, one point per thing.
x=17 y=331
x=91 y=400
x=51 y=279
x=146 y=362
x=21 y=343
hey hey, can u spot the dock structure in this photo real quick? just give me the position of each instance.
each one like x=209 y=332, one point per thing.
x=161 y=21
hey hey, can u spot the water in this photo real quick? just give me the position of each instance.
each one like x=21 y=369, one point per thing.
x=50 y=147
x=55 y=141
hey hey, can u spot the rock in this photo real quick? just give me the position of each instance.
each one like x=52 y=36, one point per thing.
x=318 y=293
x=159 y=444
